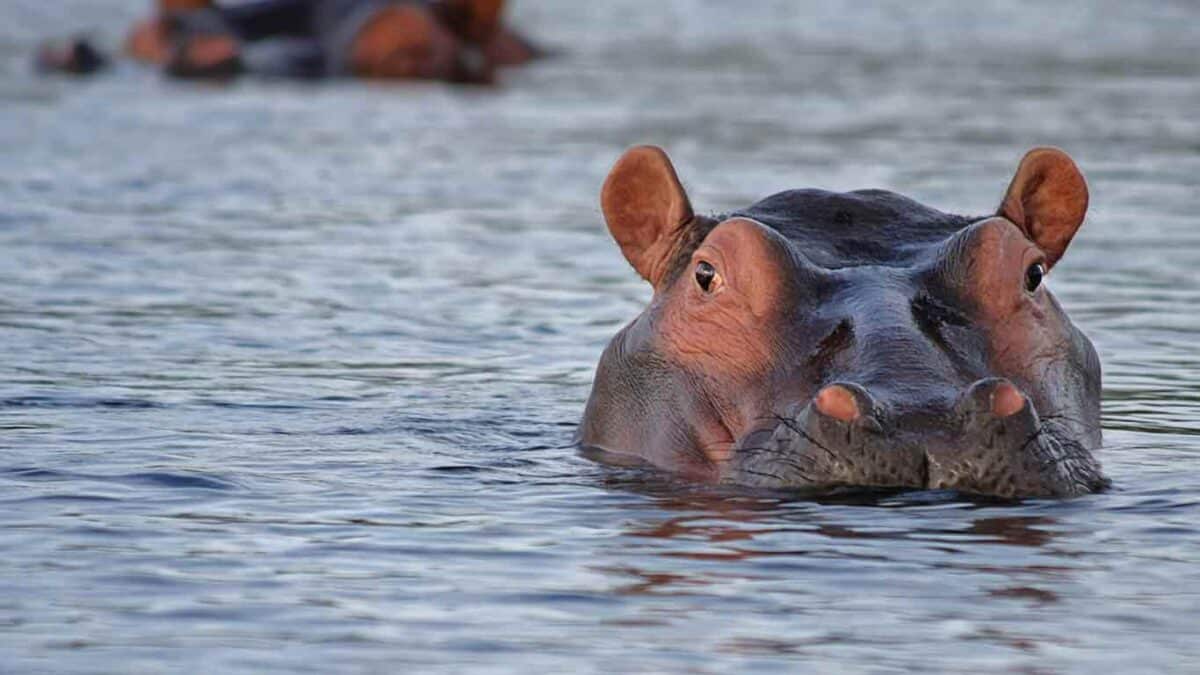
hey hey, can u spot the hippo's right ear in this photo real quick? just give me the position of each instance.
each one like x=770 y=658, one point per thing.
x=646 y=209
x=1048 y=199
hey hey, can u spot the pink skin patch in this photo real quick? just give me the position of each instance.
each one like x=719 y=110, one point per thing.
x=1006 y=400
x=836 y=401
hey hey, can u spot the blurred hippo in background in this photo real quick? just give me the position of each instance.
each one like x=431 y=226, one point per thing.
x=822 y=340
x=449 y=40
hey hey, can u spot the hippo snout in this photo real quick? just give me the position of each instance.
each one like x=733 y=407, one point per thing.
x=990 y=441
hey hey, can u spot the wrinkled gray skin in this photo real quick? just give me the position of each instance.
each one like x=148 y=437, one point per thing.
x=876 y=301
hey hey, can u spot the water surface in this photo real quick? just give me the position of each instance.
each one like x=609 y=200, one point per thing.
x=290 y=373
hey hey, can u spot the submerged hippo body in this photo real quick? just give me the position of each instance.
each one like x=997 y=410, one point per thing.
x=820 y=340
x=451 y=40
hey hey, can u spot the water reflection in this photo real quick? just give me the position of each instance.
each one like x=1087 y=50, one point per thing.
x=1015 y=530
x=825 y=566
x=694 y=541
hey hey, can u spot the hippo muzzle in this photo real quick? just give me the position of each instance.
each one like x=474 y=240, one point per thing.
x=990 y=441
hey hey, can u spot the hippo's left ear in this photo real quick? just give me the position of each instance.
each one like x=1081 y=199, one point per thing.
x=646 y=209
x=1047 y=199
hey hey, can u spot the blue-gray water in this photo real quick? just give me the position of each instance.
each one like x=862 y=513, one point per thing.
x=290 y=373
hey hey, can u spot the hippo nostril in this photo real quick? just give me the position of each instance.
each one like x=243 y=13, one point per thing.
x=994 y=398
x=838 y=402
x=1006 y=400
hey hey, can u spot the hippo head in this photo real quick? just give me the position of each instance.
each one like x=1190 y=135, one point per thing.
x=822 y=340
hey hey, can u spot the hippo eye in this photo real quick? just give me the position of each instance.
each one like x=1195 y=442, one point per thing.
x=1033 y=276
x=705 y=273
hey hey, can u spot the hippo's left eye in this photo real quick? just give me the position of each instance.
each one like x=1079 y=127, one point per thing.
x=1034 y=276
x=705 y=274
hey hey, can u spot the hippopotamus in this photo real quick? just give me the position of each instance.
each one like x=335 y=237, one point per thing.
x=821 y=341
x=450 y=40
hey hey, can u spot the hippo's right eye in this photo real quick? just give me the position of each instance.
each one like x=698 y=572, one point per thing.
x=1034 y=276
x=705 y=274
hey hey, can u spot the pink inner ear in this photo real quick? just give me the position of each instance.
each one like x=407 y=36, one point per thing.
x=646 y=209
x=1047 y=199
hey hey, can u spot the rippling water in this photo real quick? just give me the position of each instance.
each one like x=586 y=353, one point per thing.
x=290 y=373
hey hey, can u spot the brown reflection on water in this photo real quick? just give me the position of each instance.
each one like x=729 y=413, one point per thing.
x=713 y=527
x=654 y=583
x=729 y=524
x=1033 y=531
